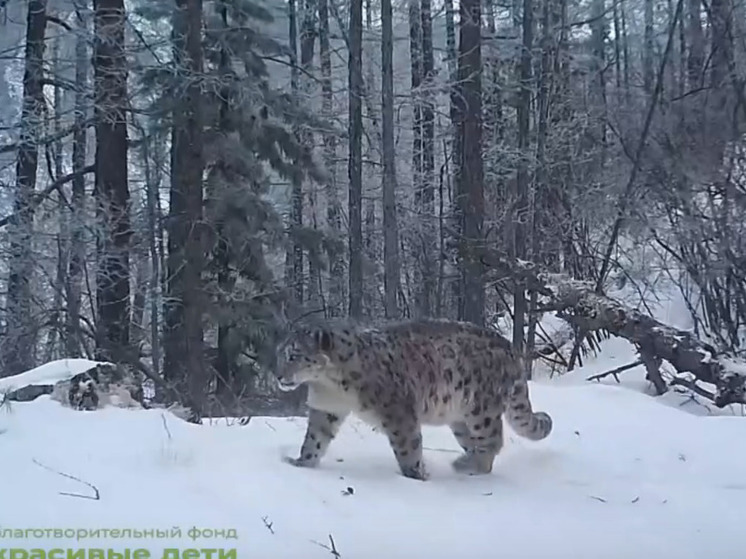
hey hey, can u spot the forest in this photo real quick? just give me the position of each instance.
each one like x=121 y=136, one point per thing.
x=181 y=182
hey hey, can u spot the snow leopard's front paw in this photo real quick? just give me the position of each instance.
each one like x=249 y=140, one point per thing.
x=417 y=473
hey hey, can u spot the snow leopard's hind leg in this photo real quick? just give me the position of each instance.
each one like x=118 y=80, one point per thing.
x=481 y=437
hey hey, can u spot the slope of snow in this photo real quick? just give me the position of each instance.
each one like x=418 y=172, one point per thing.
x=621 y=476
x=49 y=373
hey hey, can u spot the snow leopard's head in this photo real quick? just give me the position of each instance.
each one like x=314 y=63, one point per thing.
x=307 y=356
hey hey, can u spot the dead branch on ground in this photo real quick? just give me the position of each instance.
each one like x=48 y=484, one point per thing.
x=578 y=303
x=615 y=372
x=96 y=495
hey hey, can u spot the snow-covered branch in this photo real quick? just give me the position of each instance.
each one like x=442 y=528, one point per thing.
x=580 y=305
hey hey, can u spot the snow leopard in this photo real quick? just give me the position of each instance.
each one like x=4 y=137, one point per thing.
x=403 y=375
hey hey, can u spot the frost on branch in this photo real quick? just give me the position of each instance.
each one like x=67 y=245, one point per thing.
x=577 y=303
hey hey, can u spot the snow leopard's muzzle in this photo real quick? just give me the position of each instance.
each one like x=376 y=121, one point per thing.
x=295 y=369
x=287 y=385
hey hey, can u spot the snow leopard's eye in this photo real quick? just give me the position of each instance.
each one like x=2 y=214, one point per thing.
x=294 y=355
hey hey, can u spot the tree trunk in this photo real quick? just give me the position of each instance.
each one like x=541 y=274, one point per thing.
x=470 y=166
x=617 y=48
x=355 y=169
x=334 y=210
x=183 y=342
x=224 y=363
x=455 y=287
x=371 y=289
x=493 y=111
x=112 y=189
x=80 y=138
x=417 y=234
x=598 y=35
x=294 y=257
x=307 y=84
x=427 y=209
x=153 y=176
x=140 y=288
x=63 y=217
x=390 y=226
x=21 y=333
x=647 y=52
x=521 y=209
x=682 y=57
x=452 y=60
x=625 y=52
x=720 y=119
x=545 y=236
x=695 y=61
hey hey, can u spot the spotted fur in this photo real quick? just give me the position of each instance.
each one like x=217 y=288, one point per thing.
x=405 y=375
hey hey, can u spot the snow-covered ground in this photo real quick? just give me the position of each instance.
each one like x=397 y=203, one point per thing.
x=621 y=476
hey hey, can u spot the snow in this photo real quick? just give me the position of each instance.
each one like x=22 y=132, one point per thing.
x=49 y=373
x=620 y=476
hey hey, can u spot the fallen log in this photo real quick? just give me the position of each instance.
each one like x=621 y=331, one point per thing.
x=580 y=305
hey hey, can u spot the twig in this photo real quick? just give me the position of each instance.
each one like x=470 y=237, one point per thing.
x=8 y=148
x=691 y=385
x=332 y=549
x=97 y=494
x=165 y=426
x=441 y=449
x=692 y=397
x=615 y=372
x=268 y=524
x=42 y=195
x=58 y=21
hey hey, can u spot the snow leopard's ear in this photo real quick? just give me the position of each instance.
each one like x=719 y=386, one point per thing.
x=323 y=339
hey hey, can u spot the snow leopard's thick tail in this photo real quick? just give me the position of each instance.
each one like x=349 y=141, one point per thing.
x=521 y=417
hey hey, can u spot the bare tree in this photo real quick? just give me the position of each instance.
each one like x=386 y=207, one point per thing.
x=112 y=189
x=184 y=337
x=427 y=202
x=355 y=168
x=77 y=248
x=647 y=52
x=522 y=211
x=390 y=225
x=695 y=60
x=308 y=35
x=470 y=179
x=294 y=257
x=334 y=210
x=19 y=346
x=55 y=320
